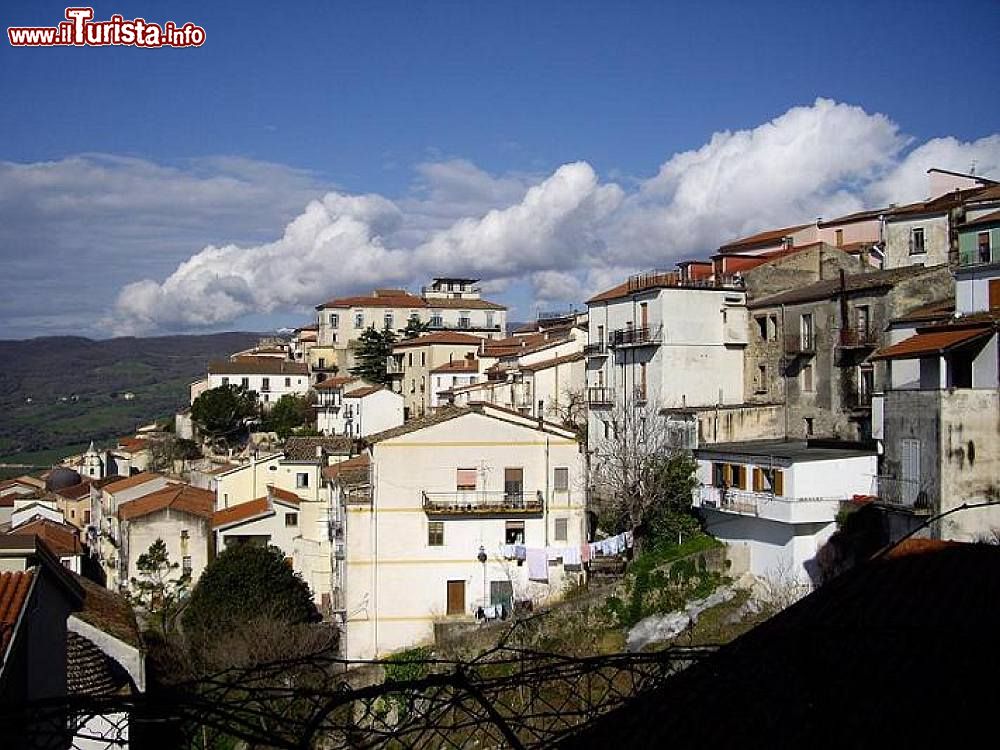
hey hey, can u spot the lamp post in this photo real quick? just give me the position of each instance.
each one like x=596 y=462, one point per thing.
x=482 y=558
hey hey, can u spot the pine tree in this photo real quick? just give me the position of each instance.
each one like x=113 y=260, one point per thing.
x=414 y=328
x=373 y=349
x=158 y=591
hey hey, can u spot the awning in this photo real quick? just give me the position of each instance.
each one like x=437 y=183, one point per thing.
x=933 y=343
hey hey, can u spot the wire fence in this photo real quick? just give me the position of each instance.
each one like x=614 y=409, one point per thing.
x=508 y=697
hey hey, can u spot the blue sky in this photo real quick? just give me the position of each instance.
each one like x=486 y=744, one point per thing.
x=288 y=101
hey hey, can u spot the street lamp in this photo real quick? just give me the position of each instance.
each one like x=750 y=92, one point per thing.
x=482 y=558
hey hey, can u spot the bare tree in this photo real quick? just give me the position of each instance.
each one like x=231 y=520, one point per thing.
x=571 y=412
x=638 y=473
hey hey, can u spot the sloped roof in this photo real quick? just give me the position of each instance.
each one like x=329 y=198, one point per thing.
x=378 y=298
x=991 y=218
x=108 y=611
x=544 y=365
x=15 y=586
x=298 y=448
x=943 y=203
x=932 y=343
x=353 y=469
x=62 y=538
x=133 y=481
x=439 y=416
x=340 y=381
x=849 y=665
x=283 y=496
x=456 y=338
x=90 y=671
x=363 y=392
x=761 y=238
x=451 y=303
x=75 y=491
x=240 y=512
x=178 y=497
x=853 y=283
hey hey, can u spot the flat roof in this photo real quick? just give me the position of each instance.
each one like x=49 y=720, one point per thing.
x=786 y=451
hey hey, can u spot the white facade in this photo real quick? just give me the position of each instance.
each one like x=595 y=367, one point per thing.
x=921 y=240
x=269 y=386
x=671 y=346
x=780 y=500
x=356 y=408
x=187 y=536
x=275 y=522
x=411 y=562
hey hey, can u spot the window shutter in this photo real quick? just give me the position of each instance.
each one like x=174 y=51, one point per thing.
x=758 y=480
x=466 y=479
x=779 y=482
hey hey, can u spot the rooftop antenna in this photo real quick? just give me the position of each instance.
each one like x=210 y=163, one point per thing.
x=972 y=168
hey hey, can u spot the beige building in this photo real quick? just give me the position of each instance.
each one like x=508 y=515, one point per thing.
x=448 y=304
x=424 y=527
x=414 y=360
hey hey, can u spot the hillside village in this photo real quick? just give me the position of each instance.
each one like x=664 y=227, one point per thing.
x=445 y=471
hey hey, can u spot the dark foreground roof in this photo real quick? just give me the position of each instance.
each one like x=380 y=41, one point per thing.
x=890 y=654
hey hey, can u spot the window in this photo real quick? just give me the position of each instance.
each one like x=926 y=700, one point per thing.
x=423 y=359
x=409 y=360
x=862 y=318
x=245 y=382
x=514 y=532
x=265 y=384
x=359 y=320
x=917 y=241
x=561 y=479
x=388 y=320
x=186 y=565
x=225 y=381
x=456 y=598
x=600 y=334
x=436 y=320
x=642 y=381
x=809 y=425
x=772 y=327
x=983 y=247
x=291 y=519
x=839 y=234
x=807 y=378
x=435 y=533
x=561 y=530
x=607 y=430
x=334 y=320
x=489 y=319
x=413 y=385
x=994 y=294
x=761 y=385
x=465 y=480
x=464 y=321
x=769 y=480
x=321 y=364
x=288 y=382
x=266 y=398
x=761 y=322
x=806 y=331
x=301 y=480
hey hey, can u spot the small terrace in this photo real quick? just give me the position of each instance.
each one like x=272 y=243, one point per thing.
x=635 y=337
x=482 y=502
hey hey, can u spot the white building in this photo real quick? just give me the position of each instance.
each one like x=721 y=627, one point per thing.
x=270 y=378
x=353 y=407
x=181 y=516
x=779 y=499
x=272 y=519
x=440 y=492
x=666 y=340
x=413 y=361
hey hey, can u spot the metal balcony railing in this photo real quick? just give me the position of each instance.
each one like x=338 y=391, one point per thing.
x=600 y=395
x=746 y=501
x=902 y=492
x=394 y=367
x=645 y=336
x=360 y=495
x=857 y=338
x=482 y=502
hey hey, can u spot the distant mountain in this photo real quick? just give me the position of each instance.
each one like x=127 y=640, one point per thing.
x=63 y=390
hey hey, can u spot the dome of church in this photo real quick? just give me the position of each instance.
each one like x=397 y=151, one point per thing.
x=60 y=478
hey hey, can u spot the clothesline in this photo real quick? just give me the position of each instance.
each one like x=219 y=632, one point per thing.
x=538 y=558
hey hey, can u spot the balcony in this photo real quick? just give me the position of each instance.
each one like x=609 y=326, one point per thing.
x=598 y=349
x=360 y=495
x=903 y=493
x=634 y=337
x=778 y=508
x=798 y=345
x=857 y=338
x=482 y=502
x=394 y=366
x=600 y=395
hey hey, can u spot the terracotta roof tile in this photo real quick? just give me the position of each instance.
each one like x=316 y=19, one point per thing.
x=283 y=495
x=14 y=589
x=133 y=481
x=340 y=381
x=242 y=512
x=771 y=235
x=108 y=611
x=181 y=497
x=350 y=470
x=544 y=365
x=990 y=218
x=90 y=671
x=363 y=392
x=378 y=298
x=299 y=448
x=459 y=365
x=932 y=343
x=61 y=538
